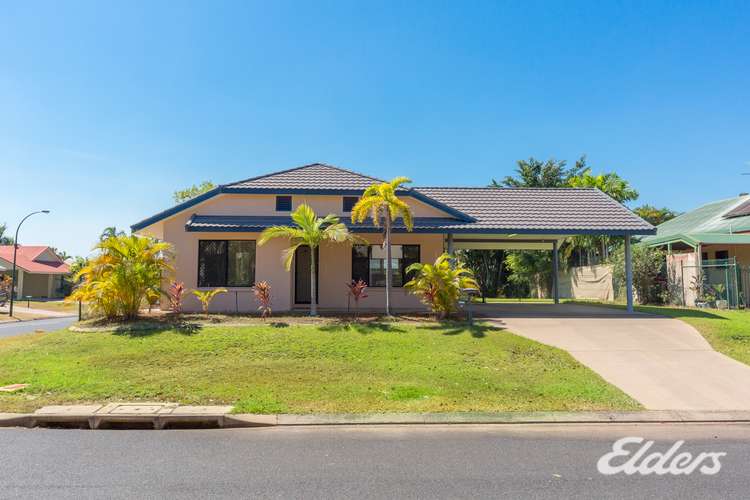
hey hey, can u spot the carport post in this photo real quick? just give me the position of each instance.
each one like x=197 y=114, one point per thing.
x=555 y=278
x=449 y=244
x=628 y=273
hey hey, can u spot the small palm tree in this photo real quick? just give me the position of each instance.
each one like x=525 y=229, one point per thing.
x=207 y=296
x=439 y=285
x=309 y=230
x=380 y=203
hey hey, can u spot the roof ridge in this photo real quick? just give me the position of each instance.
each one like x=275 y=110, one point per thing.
x=315 y=164
x=507 y=187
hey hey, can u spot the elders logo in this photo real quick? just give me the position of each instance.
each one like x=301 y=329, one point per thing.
x=669 y=462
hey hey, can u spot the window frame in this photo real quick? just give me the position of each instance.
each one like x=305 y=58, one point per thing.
x=353 y=199
x=283 y=197
x=226 y=265
x=401 y=269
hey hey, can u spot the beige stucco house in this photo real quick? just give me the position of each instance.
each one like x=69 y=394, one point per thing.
x=215 y=234
x=40 y=272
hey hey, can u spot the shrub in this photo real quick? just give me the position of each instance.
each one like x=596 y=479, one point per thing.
x=439 y=285
x=356 y=290
x=124 y=275
x=648 y=283
x=262 y=293
x=207 y=296
x=174 y=294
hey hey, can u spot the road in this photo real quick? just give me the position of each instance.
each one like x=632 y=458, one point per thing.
x=48 y=325
x=477 y=461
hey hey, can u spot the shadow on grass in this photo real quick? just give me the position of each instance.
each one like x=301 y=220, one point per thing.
x=148 y=329
x=476 y=330
x=365 y=328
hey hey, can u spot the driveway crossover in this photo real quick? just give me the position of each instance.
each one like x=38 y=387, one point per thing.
x=663 y=363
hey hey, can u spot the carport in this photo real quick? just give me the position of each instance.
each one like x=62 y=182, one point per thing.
x=538 y=219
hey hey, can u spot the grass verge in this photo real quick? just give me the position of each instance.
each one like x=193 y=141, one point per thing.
x=280 y=368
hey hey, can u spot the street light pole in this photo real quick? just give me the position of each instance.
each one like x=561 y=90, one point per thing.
x=15 y=251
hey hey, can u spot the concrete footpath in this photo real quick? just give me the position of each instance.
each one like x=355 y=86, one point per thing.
x=171 y=415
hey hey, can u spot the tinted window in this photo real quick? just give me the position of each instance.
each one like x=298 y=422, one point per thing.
x=226 y=263
x=283 y=203
x=349 y=202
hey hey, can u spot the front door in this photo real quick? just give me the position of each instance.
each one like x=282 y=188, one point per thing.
x=302 y=275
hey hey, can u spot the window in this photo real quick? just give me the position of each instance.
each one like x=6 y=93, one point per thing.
x=722 y=254
x=369 y=263
x=283 y=203
x=349 y=202
x=226 y=263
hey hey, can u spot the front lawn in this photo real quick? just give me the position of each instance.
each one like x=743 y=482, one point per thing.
x=50 y=305
x=287 y=368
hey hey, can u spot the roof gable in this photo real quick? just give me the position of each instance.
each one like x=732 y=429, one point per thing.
x=316 y=176
x=35 y=259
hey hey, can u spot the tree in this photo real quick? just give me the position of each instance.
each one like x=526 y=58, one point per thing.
x=653 y=215
x=110 y=232
x=536 y=173
x=488 y=267
x=125 y=273
x=618 y=189
x=439 y=285
x=648 y=282
x=380 y=203
x=531 y=270
x=309 y=230
x=185 y=194
x=5 y=240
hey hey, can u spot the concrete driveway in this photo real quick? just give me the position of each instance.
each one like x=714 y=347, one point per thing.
x=663 y=363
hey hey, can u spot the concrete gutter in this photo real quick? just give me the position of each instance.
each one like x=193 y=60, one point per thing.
x=161 y=415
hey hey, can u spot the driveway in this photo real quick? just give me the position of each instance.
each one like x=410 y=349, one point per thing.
x=48 y=325
x=663 y=363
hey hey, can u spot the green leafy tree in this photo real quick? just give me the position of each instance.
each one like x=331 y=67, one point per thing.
x=5 y=239
x=531 y=270
x=191 y=192
x=439 y=285
x=536 y=173
x=380 y=203
x=653 y=215
x=488 y=267
x=309 y=230
x=648 y=264
x=126 y=272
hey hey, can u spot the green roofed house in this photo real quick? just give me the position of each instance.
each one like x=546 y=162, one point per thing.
x=709 y=244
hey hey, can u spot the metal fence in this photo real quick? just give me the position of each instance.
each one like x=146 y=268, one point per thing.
x=720 y=283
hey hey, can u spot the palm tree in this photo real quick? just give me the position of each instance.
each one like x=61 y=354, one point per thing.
x=309 y=230
x=380 y=203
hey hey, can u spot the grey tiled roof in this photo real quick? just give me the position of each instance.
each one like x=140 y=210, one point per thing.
x=313 y=177
x=254 y=223
x=552 y=209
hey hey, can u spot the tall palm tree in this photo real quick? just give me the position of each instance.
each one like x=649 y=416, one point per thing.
x=309 y=230
x=380 y=203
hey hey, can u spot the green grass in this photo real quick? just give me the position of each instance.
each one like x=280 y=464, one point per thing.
x=728 y=331
x=50 y=305
x=278 y=368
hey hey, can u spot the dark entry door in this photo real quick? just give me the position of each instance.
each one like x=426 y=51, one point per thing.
x=302 y=275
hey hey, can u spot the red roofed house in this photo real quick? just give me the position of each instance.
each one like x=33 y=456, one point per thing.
x=40 y=271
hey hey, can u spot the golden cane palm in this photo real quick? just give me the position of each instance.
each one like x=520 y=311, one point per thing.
x=125 y=273
x=380 y=203
x=309 y=230
x=439 y=285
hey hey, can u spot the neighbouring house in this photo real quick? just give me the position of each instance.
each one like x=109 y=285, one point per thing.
x=708 y=253
x=214 y=235
x=40 y=273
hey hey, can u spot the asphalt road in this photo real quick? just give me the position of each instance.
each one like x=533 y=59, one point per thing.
x=360 y=462
x=48 y=325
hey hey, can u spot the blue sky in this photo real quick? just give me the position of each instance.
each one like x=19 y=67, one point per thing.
x=104 y=112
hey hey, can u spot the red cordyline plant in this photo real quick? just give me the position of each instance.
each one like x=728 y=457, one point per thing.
x=357 y=290
x=262 y=292
x=174 y=294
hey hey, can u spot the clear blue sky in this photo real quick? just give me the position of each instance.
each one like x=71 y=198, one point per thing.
x=104 y=112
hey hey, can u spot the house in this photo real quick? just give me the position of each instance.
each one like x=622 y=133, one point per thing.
x=711 y=242
x=214 y=235
x=40 y=272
